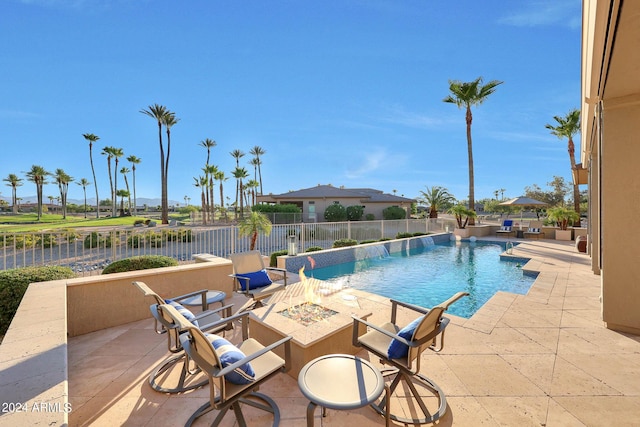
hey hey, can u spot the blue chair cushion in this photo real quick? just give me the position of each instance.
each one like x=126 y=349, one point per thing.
x=230 y=354
x=505 y=228
x=184 y=311
x=257 y=279
x=534 y=230
x=508 y=222
x=397 y=349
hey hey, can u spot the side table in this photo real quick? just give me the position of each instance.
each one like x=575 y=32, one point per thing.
x=212 y=296
x=342 y=382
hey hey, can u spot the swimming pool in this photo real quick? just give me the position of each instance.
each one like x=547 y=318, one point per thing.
x=430 y=275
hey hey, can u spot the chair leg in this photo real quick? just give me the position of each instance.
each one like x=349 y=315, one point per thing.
x=166 y=365
x=257 y=400
x=411 y=380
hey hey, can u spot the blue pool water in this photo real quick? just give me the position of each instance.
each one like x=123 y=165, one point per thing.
x=428 y=276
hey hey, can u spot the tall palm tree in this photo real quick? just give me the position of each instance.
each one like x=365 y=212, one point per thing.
x=567 y=127
x=258 y=151
x=124 y=171
x=237 y=154
x=38 y=175
x=239 y=174
x=14 y=182
x=467 y=95
x=437 y=197
x=209 y=173
x=169 y=121
x=163 y=117
x=219 y=176
x=252 y=186
x=109 y=152
x=93 y=138
x=63 y=180
x=255 y=223
x=117 y=153
x=201 y=182
x=84 y=184
x=134 y=161
x=208 y=144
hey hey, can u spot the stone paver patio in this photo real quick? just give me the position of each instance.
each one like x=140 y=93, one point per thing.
x=544 y=359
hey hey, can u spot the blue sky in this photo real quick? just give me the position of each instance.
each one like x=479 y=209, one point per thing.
x=344 y=92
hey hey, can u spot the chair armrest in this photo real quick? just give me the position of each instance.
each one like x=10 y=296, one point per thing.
x=443 y=324
x=257 y=354
x=279 y=270
x=238 y=286
x=226 y=309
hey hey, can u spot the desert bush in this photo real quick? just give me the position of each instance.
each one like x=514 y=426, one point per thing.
x=341 y=243
x=95 y=240
x=394 y=212
x=355 y=212
x=335 y=213
x=142 y=262
x=369 y=217
x=314 y=249
x=273 y=260
x=14 y=283
x=179 y=235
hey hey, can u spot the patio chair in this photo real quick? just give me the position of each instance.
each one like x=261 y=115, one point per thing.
x=235 y=373
x=254 y=280
x=535 y=229
x=506 y=229
x=209 y=320
x=401 y=349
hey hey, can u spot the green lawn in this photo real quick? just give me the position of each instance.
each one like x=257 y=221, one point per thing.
x=29 y=222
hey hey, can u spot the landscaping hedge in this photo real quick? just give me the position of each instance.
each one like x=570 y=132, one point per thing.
x=142 y=262
x=14 y=283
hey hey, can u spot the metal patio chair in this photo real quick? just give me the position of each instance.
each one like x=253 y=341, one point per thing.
x=253 y=279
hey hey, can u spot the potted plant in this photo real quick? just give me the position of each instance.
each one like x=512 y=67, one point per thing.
x=562 y=217
x=462 y=215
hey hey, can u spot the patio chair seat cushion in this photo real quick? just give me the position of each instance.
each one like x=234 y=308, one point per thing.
x=397 y=349
x=230 y=354
x=184 y=311
x=505 y=228
x=534 y=230
x=257 y=279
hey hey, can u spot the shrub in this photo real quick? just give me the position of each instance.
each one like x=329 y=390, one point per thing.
x=335 y=213
x=142 y=262
x=180 y=235
x=314 y=249
x=394 y=212
x=14 y=283
x=367 y=241
x=355 y=212
x=273 y=260
x=95 y=240
x=341 y=243
x=403 y=235
x=369 y=217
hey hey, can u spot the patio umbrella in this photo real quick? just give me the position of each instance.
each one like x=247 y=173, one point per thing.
x=523 y=202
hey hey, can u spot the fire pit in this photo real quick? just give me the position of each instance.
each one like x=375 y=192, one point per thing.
x=307 y=313
x=317 y=328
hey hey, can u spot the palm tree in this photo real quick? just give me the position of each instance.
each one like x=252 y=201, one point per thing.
x=467 y=95
x=219 y=176
x=239 y=174
x=124 y=171
x=122 y=194
x=567 y=127
x=93 y=138
x=437 y=197
x=84 y=184
x=201 y=182
x=134 y=161
x=164 y=117
x=208 y=144
x=209 y=173
x=255 y=223
x=258 y=151
x=117 y=153
x=14 y=182
x=38 y=176
x=63 y=180
x=237 y=154
x=109 y=152
x=252 y=185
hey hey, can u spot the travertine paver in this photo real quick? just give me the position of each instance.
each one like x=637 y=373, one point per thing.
x=541 y=359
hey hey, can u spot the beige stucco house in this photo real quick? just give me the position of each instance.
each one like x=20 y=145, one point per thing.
x=313 y=201
x=610 y=153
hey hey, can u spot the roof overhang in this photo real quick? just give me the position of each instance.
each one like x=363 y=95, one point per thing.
x=580 y=175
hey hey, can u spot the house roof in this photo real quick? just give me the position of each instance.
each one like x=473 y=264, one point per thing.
x=329 y=191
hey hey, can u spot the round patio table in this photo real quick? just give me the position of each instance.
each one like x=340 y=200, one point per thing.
x=211 y=297
x=342 y=382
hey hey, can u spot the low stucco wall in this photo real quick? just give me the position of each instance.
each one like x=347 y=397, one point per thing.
x=100 y=302
x=33 y=353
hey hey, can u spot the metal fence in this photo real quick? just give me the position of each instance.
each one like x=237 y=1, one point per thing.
x=88 y=252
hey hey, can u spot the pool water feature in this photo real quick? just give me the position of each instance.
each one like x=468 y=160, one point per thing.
x=429 y=275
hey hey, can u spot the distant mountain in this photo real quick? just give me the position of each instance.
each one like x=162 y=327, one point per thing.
x=141 y=201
